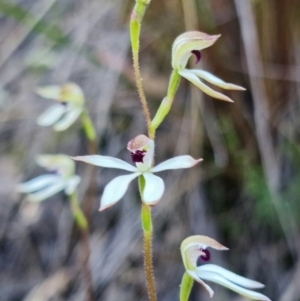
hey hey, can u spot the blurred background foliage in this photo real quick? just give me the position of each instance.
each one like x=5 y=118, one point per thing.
x=245 y=193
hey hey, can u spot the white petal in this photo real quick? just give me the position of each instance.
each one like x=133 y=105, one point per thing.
x=47 y=192
x=222 y=281
x=72 y=184
x=216 y=81
x=51 y=115
x=106 y=161
x=154 y=189
x=245 y=282
x=115 y=190
x=38 y=183
x=206 y=286
x=67 y=120
x=60 y=163
x=176 y=163
x=206 y=89
x=50 y=92
x=148 y=158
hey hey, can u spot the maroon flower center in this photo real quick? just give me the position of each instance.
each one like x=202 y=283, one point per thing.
x=205 y=256
x=197 y=53
x=137 y=156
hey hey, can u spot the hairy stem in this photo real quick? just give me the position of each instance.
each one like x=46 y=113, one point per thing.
x=82 y=224
x=135 y=30
x=147 y=227
x=186 y=287
x=148 y=264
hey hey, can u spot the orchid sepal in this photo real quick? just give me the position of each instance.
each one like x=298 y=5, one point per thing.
x=188 y=44
x=44 y=186
x=142 y=153
x=70 y=105
x=194 y=248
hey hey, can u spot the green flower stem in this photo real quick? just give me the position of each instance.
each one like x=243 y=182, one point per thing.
x=186 y=287
x=78 y=215
x=166 y=104
x=147 y=231
x=90 y=134
x=135 y=30
x=82 y=224
x=87 y=125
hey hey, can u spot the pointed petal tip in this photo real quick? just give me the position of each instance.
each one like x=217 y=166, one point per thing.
x=102 y=208
x=224 y=249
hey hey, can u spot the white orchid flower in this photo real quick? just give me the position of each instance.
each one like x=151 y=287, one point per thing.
x=194 y=252
x=189 y=43
x=69 y=106
x=62 y=177
x=142 y=152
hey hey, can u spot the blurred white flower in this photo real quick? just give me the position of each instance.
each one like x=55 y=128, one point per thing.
x=189 y=43
x=142 y=152
x=61 y=177
x=194 y=252
x=69 y=106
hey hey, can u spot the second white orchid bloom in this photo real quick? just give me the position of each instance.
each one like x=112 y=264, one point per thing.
x=69 y=106
x=61 y=177
x=191 y=43
x=195 y=255
x=142 y=152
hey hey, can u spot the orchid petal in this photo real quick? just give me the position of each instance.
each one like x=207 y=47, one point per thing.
x=210 y=276
x=68 y=92
x=38 y=183
x=67 y=120
x=49 y=92
x=148 y=158
x=206 y=89
x=215 y=80
x=176 y=163
x=154 y=189
x=51 y=115
x=106 y=161
x=72 y=184
x=47 y=192
x=116 y=189
x=206 y=286
x=60 y=163
x=242 y=281
x=187 y=42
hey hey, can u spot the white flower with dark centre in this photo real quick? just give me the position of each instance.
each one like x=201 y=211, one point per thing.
x=69 y=106
x=61 y=177
x=194 y=252
x=142 y=152
x=192 y=42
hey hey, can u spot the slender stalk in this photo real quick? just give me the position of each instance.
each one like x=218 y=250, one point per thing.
x=135 y=30
x=90 y=133
x=186 y=287
x=166 y=104
x=148 y=232
x=82 y=224
x=89 y=130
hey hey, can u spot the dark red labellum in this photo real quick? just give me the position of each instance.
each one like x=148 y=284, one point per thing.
x=197 y=53
x=137 y=156
x=204 y=257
